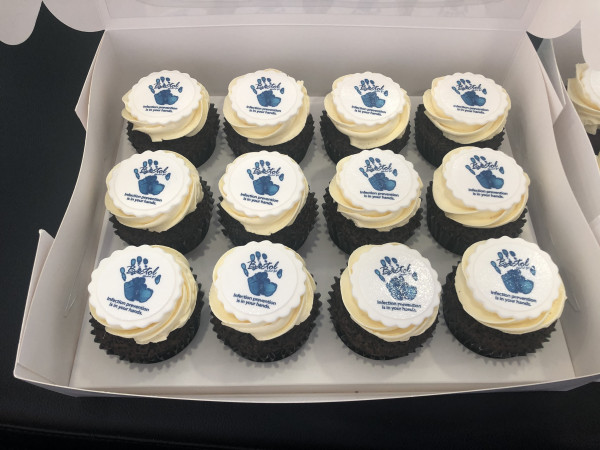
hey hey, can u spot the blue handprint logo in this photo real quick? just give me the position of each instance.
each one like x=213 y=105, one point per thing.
x=379 y=181
x=261 y=176
x=165 y=96
x=264 y=91
x=393 y=275
x=368 y=93
x=511 y=269
x=483 y=171
x=257 y=271
x=136 y=289
x=469 y=96
x=150 y=184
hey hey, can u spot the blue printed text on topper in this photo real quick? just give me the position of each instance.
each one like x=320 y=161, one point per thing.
x=135 y=277
x=368 y=89
x=484 y=172
x=262 y=175
x=468 y=92
x=257 y=270
x=513 y=272
x=164 y=90
x=265 y=90
x=396 y=278
x=375 y=171
x=147 y=175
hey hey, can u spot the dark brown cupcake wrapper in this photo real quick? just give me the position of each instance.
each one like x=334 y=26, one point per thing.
x=361 y=341
x=183 y=237
x=295 y=148
x=486 y=341
x=197 y=149
x=348 y=237
x=433 y=145
x=292 y=236
x=457 y=238
x=337 y=144
x=153 y=352
x=595 y=141
x=248 y=347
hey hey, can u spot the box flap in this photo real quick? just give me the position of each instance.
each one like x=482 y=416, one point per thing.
x=17 y=20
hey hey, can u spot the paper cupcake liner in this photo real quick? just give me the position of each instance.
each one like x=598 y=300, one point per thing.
x=292 y=236
x=295 y=148
x=457 y=238
x=483 y=340
x=433 y=145
x=361 y=341
x=248 y=347
x=129 y=350
x=348 y=237
x=337 y=145
x=183 y=237
x=595 y=141
x=197 y=149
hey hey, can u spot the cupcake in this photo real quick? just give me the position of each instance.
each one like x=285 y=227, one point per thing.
x=144 y=303
x=584 y=92
x=460 y=109
x=264 y=195
x=158 y=198
x=172 y=111
x=504 y=298
x=385 y=305
x=263 y=301
x=362 y=112
x=476 y=194
x=268 y=110
x=374 y=198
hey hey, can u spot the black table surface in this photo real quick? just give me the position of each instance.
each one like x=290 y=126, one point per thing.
x=42 y=144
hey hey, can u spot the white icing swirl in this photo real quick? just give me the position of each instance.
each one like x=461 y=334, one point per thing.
x=587 y=109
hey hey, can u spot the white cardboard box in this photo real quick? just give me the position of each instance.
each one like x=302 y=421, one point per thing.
x=412 y=45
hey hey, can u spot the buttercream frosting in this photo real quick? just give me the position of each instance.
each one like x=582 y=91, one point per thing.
x=143 y=293
x=153 y=190
x=267 y=107
x=376 y=189
x=480 y=188
x=466 y=107
x=510 y=285
x=584 y=92
x=391 y=291
x=264 y=191
x=369 y=108
x=167 y=105
x=262 y=289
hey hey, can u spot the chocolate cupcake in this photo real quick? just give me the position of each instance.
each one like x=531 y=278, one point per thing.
x=504 y=298
x=169 y=110
x=476 y=194
x=374 y=198
x=362 y=112
x=158 y=198
x=144 y=303
x=584 y=92
x=263 y=301
x=268 y=110
x=385 y=305
x=460 y=109
x=264 y=195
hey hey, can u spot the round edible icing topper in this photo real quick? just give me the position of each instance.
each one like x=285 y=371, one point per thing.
x=591 y=85
x=135 y=287
x=485 y=179
x=512 y=278
x=379 y=180
x=260 y=281
x=395 y=285
x=149 y=184
x=469 y=98
x=266 y=97
x=163 y=97
x=262 y=184
x=368 y=98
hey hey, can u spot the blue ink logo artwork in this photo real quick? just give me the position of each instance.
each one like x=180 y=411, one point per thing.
x=135 y=288
x=375 y=172
x=511 y=269
x=149 y=184
x=162 y=91
x=393 y=275
x=260 y=266
x=368 y=93
x=261 y=176
x=264 y=91
x=483 y=171
x=468 y=92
